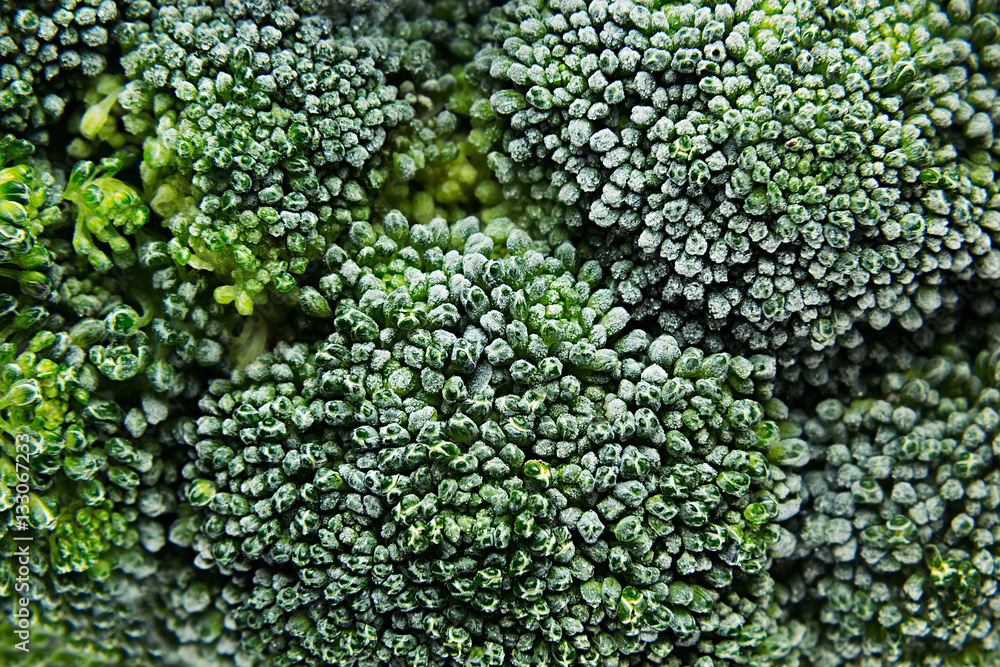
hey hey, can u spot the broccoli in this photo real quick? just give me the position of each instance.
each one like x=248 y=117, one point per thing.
x=896 y=537
x=499 y=332
x=775 y=175
x=44 y=48
x=505 y=467
x=90 y=384
x=265 y=140
x=24 y=213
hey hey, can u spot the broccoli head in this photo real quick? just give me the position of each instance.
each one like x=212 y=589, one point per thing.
x=775 y=175
x=485 y=464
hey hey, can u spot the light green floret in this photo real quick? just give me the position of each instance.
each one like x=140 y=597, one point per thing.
x=36 y=392
x=485 y=464
x=99 y=477
x=33 y=205
x=89 y=376
x=27 y=207
x=104 y=205
x=89 y=494
x=80 y=481
x=899 y=538
x=84 y=393
x=439 y=167
x=51 y=639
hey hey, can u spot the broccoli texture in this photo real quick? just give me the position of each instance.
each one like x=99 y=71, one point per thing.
x=89 y=376
x=777 y=174
x=499 y=333
x=24 y=214
x=44 y=46
x=898 y=537
x=484 y=438
x=267 y=137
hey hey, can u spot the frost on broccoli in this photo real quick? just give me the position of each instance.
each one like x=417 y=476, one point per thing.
x=485 y=465
x=409 y=332
x=898 y=535
x=791 y=170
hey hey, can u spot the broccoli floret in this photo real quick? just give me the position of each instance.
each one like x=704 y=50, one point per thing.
x=102 y=204
x=191 y=613
x=438 y=167
x=776 y=174
x=52 y=639
x=26 y=208
x=269 y=127
x=155 y=609
x=896 y=538
x=92 y=380
x=485 y=437
x=92 y=492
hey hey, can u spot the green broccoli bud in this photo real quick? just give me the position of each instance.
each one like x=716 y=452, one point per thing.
x=753 y=175
x=104 y=205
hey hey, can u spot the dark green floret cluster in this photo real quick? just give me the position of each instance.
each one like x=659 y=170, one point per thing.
x=499 y=333
x=45 y=48
x=487 y=442
x=899 y=536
